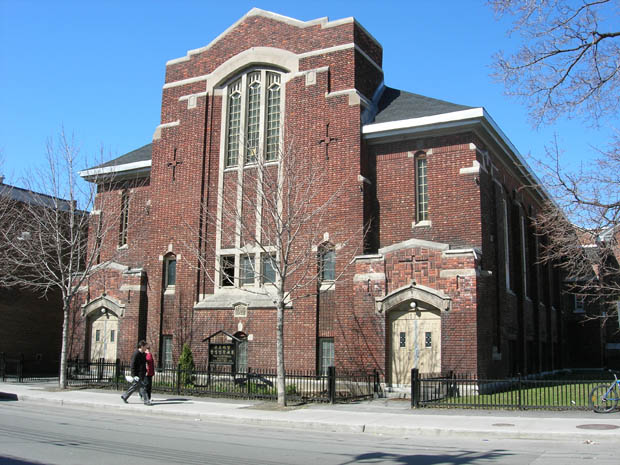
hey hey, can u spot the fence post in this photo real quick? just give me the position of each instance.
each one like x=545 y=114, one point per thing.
x=331 y=384
x=376 y=383
x=519 y=386
x=248 y=381
x=117 y=371
x=3 y=365
x=178 y=379
x=415 y=388
x=20 y=368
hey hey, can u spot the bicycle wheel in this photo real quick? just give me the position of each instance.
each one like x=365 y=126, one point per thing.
x=603 y=401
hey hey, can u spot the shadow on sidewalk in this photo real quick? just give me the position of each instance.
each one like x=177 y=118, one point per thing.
x=457 y=458
x=171 y=401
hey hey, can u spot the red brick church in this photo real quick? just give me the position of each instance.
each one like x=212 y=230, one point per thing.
x=445 y=279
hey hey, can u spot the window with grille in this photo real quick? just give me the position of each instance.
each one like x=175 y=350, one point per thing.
x=166 y=352
x=421 y=179
x=326 y=354
x=124 y=223
x=253 y=118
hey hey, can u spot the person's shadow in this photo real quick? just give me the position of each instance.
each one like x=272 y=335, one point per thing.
x=174 y=400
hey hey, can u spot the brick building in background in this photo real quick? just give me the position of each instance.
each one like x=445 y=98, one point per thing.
x=30 y=323
x=448 y=278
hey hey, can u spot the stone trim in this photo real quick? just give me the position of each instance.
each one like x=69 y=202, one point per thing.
x=157 y=133
x=412 y=244
x=428 y=295
x=103 y=301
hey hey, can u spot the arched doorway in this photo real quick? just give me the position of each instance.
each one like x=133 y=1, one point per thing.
x=102 y=321
x=103 y=335
x=413 y=326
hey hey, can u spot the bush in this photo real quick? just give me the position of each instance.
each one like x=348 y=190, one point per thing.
x=186 y=365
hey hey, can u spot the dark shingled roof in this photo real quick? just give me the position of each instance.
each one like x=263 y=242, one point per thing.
x=142 y=154
x=396 y=105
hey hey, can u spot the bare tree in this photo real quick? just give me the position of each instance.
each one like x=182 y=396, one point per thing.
x=567 y=64
x=275 y=214
x=45 y=238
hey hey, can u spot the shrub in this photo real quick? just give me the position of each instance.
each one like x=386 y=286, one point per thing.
x=186 y=365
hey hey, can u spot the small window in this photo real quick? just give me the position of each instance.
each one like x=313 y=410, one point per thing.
x=97 y=335
x=403 y=339
x=268 y=271
x=247 y=270
x=170 y=265
x=227 y=271
x=166 y=351
x=327 y=264
x=580 y=304
x=326 y=354
x=428 y=339
x=112 y=335
x=421 y=184
x=124 y=224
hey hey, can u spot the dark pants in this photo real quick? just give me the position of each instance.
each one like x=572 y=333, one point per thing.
x=148 y=381
x=133 y=387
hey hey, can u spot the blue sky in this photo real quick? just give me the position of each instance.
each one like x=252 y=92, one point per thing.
x=97 y=68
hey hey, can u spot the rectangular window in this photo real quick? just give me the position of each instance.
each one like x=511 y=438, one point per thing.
x=227 y=271
x=524 y=258
x=124 y=223
x=166 y=352
x=328 y=265
x=268 y=271
x=171 y=272
x=428 y=339
x=234 y=124
x=421 y=190
x=403 y=339
x=580 y=302
x=97 y=335
x=506 y=243
x=326 y=354
x=253 y=117
x=273 y=117
x=247 y=270
x=112 y=335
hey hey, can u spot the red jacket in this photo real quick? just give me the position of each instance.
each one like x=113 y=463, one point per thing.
x=150 y=365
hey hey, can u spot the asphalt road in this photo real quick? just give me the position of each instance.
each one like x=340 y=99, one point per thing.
x=41 y=434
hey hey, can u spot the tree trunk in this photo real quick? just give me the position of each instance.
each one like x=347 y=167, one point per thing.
x=280 y=380
x=63 y=351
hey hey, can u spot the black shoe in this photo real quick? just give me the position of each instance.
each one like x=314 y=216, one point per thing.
x=149 y=403
x=124 y=399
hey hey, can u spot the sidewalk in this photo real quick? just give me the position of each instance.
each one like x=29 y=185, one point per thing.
x=382 y=416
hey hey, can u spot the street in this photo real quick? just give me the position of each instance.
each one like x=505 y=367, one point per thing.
x=42 y=434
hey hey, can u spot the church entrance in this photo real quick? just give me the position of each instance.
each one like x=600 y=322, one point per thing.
x=415 y=339
x=103 y=336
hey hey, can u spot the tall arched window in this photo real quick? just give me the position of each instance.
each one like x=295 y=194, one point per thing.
x=327 y=263
x=253 y=118
x=170 y=271
x=421 y=187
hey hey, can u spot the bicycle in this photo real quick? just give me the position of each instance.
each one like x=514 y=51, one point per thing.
x=604 y=398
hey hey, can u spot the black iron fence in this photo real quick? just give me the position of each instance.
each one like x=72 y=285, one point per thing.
x=23 y=370
x=464 y=390
x=303 y=386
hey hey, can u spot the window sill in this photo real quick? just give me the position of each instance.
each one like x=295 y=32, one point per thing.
x=327 y=286
x=169 y=290
x=122 y=247
x=422 y=224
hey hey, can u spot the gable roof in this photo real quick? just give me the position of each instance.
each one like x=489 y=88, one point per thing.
x=396 y=105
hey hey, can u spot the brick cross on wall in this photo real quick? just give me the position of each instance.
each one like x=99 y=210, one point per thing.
x=173 y=164
x=327 y=140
